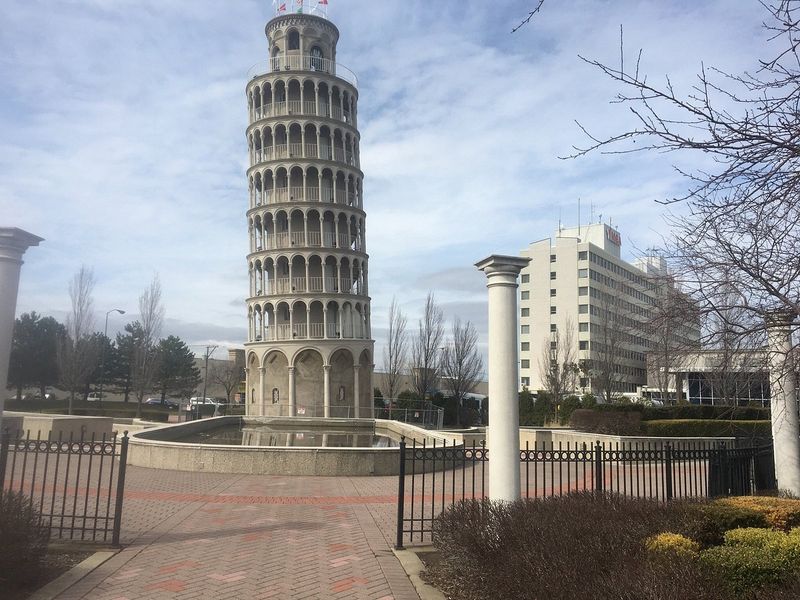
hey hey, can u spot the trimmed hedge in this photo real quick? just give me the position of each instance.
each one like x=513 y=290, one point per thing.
x=706 y=428
x=672 y=543
x=690 y=411
x=780 y=513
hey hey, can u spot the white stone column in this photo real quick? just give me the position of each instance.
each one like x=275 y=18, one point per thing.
x=503 y=431
x=356 y=390
x=783 y=402
x=292 y=409
x=13 y=244
x=326 y=389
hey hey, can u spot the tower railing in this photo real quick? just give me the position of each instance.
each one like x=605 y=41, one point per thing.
x=303 y=62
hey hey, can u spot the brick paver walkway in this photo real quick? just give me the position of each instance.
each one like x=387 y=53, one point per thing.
x=202 y=535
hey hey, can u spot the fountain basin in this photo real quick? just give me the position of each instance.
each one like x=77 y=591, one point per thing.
x=162 y=448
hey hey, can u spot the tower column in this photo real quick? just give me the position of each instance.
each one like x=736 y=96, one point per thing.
x=292 y=405
x=326 y=389
x=356 y=390
x=262 y=405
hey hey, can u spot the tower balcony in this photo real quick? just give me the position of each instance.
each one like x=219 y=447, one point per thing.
x=285 y=286
x=300 y=108
x=311 y=331
x=303 y=62
x=294 y=194
x=285 y=240
x=299 y=150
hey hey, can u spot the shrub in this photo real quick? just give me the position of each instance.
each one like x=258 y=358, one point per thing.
x=576 y=547
x=780 y=513
x=610 y=422
x=567 y=407
x=755 y=558
x=706 y=428
x=24 y=539
x=672 y=543
x=706 y=523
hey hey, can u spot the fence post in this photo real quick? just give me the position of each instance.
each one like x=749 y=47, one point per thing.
x=401 y=494
x=5 y=438
x=598 y=467
x=123 y=459
x=668 y=468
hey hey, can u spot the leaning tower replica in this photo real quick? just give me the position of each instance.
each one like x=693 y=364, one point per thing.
x=309 y=348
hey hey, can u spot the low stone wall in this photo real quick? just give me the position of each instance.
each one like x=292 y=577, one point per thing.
x=155 y=448
x=37 y=425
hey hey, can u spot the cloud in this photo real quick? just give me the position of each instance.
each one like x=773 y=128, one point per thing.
x=123 y=139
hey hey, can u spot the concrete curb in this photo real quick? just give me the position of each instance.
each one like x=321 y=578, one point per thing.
x=413 y=567
x=73 y=576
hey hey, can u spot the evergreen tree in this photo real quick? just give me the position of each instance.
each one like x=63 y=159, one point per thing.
x=177 y=374
x=33 y=352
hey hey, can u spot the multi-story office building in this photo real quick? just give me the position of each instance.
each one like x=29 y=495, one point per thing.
x=309 y=348
x=578 y=287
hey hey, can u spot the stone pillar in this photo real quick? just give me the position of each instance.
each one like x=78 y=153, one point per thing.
x=263 y=385
x=356 y=390
x=326 y=389
x=292 y=409
x=783 y=402
x=503 y=431
x=13 y=244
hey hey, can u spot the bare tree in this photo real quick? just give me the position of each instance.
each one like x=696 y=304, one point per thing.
x=145 y=346
x=739 y=223
x=395 y=351
x=610 y=330
x=77 y=352
x=229 y=374
x=672 y=325
x=558 y=363
x=425 y=348
x=461 y=363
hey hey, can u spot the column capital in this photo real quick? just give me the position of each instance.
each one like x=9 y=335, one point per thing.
x=290 y=369
x=326 y=368
x=14 y=242
x=262 y=369
x=781 y=317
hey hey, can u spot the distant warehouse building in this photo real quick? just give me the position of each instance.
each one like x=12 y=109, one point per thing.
x=577 y=289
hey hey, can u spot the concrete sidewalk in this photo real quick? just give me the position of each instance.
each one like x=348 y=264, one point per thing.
x=200 y=535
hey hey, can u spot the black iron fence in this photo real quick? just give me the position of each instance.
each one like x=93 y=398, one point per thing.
x=76 y=484
x=435 y=477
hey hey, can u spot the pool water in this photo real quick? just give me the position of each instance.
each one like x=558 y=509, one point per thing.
x=265 y=435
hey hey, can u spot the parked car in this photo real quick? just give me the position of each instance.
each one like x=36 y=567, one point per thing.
x=195 y=400
x=168 y=403
x=94 y=397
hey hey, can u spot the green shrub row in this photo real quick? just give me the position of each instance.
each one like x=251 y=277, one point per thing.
x=690 y=411
x=706 y=428
x=23 y=540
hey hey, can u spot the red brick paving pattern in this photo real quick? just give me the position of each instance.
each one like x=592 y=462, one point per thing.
x=201 y=535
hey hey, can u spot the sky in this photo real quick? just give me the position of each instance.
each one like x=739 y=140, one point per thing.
x=122 y=141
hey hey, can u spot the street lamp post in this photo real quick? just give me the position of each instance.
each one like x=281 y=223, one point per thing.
x=103 y=352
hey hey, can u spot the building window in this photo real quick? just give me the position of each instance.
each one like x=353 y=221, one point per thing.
x=583 y=291
x=525 y=346
x=294 y=40
x=552 y=258
x=525 y=364
x=583 y=273
x=552 y=275
x=583 y=345
x=552 y=293
x=583 y=327
x=553 y=345
x=552 y=310
x=526 y=312
x=526 y=381
x=553 y=327
x=582 y=255
x=525 y=329
x=584 y=382
x=316 y=58
x=525 y=295
x=583 y=309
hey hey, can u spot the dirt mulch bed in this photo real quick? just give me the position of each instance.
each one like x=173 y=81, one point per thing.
x=56 y=562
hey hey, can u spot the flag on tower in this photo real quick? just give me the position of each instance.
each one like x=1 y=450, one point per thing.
x=300 y=6
x=325 y=2
x=282 y=7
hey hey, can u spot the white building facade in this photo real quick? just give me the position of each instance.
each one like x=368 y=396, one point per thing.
x=578 y=286
x=309 y=348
